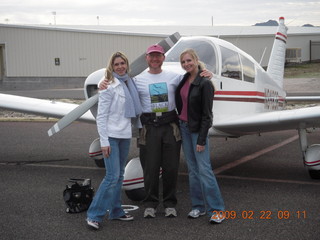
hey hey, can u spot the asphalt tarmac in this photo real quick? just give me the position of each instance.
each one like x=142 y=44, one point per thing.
x=267 y=191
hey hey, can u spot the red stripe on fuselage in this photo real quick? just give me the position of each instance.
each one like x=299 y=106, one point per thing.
x=242 y=93
x=239 y=96
x=239 y=99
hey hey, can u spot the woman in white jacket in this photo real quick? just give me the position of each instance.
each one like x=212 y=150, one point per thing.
x=117 y=105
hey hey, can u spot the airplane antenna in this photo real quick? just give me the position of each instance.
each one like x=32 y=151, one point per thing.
x=241 y=30
x=264 y=51
x=295 y=19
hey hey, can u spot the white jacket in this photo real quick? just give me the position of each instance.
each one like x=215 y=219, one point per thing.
x=111 y=121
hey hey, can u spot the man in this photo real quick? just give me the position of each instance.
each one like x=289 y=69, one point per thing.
x=160 y=140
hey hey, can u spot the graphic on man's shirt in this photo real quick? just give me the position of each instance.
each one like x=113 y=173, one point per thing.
x=159 y=97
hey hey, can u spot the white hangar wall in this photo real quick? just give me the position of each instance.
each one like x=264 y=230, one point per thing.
x=65 y=56
x=260 y=46
x=33 y=52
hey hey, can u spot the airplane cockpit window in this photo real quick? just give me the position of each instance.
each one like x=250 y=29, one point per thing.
x=203 y=48
x=248 y=69
x=231 y=67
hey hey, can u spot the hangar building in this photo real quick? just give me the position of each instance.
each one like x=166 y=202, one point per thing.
x=63 y=56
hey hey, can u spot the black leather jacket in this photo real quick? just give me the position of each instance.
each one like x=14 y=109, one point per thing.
x=200 y=101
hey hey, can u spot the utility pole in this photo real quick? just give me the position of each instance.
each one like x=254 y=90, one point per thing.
x=54 y=17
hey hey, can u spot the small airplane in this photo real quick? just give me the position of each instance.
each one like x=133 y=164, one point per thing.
x=248 y=99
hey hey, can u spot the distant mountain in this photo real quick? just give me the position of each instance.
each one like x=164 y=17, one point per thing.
x=275 y=23
x=269 y=23
x=307 y=25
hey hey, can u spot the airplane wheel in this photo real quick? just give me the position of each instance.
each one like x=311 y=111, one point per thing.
x=136 y=194
x=314 y=174
x=99 y=163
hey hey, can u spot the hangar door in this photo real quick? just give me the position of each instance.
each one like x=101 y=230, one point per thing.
x=2 y=72
x=314 y=50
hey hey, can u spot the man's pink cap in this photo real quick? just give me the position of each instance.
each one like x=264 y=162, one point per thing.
x=155 y=48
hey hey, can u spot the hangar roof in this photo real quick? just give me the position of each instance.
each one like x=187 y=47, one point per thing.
x=183 y=30
x=202 y=30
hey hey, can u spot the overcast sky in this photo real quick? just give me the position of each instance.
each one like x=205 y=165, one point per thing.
x=161 y=12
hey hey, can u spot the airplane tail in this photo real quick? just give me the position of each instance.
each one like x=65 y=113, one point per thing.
x=277 y=57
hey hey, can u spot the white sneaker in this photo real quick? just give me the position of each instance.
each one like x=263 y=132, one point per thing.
x=125 y=217
x=149 y=213
x=217 y=218
x=195 y=213
x=170 y=212
x=93 y=224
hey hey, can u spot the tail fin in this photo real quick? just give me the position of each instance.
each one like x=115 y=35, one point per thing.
x=277 y=57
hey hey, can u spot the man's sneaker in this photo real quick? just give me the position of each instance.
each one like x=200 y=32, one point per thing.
x=93 y=224
x=195 y=213
x=170 y=212
x=217 y=218
x=149 y=213
x=125 y=217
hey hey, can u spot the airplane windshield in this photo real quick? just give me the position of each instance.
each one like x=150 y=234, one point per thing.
x=203 y=48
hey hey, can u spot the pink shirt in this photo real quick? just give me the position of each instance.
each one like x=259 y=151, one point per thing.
x=184 y=97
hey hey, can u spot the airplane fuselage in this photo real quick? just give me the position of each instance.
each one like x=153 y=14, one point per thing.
x=242 y=86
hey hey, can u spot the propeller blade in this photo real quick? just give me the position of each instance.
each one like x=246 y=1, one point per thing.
x=140 y=64
x=73 y=115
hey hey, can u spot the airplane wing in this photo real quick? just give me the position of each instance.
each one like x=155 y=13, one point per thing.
x=41 y=107
x=302 y=98
x=271 y=121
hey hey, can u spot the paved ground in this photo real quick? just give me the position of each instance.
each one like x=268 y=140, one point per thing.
x=34 y=170
x=302 y=86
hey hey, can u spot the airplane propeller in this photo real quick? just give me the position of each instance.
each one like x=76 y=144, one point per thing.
x=137 y=66
x=73 y=115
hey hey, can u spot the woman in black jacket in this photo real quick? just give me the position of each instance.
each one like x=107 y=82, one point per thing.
x=194 y=100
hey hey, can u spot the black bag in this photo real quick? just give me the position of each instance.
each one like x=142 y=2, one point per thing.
x=78 y=196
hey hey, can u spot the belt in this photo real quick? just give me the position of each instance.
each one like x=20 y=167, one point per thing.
x=158 y=118
x=183 y=122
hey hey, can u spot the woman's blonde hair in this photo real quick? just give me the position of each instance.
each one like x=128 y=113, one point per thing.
x=194 y=56
x=109 y=69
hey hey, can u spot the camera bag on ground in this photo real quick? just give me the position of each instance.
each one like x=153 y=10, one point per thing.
x=78 y=196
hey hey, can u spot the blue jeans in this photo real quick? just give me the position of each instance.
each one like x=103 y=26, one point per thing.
x=204 y=190
x=108 y=196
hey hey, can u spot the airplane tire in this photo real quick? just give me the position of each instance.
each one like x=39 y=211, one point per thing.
x=314 y=174
x=99 y=163
x=136 y=194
